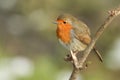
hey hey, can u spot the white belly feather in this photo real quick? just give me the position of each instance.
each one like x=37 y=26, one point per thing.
x=74 y=45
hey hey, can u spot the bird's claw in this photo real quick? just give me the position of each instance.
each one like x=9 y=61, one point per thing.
x=72 y=58
x=75 y=60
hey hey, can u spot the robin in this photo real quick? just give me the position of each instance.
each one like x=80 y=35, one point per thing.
x=73 y=34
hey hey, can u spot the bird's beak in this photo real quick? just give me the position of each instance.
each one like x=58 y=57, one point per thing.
x=55 y=22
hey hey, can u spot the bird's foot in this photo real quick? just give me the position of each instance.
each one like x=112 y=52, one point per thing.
x=75 y=60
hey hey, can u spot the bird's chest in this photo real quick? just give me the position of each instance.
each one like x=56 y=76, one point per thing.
x=63 y=33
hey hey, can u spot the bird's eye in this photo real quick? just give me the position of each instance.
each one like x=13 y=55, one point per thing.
x=64 y=22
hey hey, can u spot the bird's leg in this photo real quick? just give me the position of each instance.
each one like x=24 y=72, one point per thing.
x=75 y=60
x=68 y=57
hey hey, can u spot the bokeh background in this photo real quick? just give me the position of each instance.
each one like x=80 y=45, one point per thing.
x=29 y=49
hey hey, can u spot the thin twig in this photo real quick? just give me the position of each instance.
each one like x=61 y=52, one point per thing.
x=113 y=14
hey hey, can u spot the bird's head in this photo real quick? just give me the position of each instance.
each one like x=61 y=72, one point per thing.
x=65 y=20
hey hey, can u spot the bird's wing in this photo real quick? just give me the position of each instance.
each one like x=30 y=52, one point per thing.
x=81 y=32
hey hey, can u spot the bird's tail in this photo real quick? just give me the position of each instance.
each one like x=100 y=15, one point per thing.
x=98 y=54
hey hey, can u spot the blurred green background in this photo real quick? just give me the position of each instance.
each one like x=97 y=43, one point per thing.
x=29 y=49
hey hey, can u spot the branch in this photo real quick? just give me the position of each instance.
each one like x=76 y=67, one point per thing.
x=74 y=74
x=112 y=14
